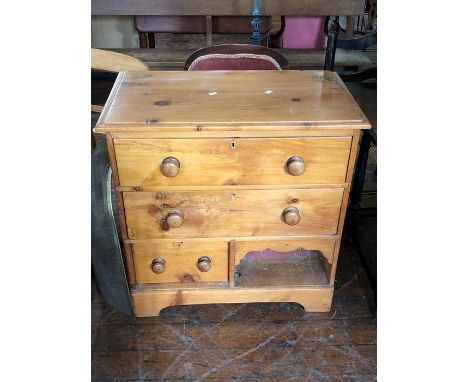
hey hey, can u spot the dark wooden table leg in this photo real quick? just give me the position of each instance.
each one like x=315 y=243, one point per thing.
x=151 y=40
x=355 y=212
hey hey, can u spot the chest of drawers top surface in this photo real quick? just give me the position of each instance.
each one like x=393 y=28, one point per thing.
x=230 y=100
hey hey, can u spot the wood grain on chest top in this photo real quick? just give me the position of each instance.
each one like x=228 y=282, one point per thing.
x=230 y=100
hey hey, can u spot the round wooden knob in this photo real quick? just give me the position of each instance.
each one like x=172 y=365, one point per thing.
x=170 y=167
x=291 y=216
x=175 y=218
x=159 y=265
x=296 y=166
x=204 y=264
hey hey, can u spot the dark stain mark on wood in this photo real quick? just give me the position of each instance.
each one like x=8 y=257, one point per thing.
x=328 y=79
x=162 y=103
x=187 y=278
x=309 y=124
x=178 y=299
x=230 y=182
x=161 y=195
x=295 y=200
x=151 y=121
x=164 y=226
x=199 y=127
x=136 y=188
x=296 y=99
x=154 y=210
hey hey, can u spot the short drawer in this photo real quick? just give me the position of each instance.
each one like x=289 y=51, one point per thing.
x=223 y=213
x=242 y=161
x=181 y=262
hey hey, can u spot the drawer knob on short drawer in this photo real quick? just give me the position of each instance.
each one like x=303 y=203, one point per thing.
x=159 y=265
x=170 y=167
x=291 y=216
x=204 y=264
x=296 y=166
x=175 y=218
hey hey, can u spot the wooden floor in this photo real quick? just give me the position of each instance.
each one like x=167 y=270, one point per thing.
x=243 y=342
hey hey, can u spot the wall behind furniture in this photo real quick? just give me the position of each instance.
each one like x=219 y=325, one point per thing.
x=113 y=32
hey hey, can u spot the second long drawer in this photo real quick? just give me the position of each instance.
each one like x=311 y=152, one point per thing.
x=186 y=214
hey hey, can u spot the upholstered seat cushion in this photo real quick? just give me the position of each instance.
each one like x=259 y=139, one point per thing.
x=239 y=61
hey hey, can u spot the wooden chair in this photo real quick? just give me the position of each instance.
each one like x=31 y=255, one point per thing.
x=107 y=61
x=236 y=57
x=147 y=26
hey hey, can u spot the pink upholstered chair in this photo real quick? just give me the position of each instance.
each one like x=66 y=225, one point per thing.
x=236 y=57
x=301 y=32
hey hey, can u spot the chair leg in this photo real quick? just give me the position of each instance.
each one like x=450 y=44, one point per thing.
x=209 y=31
x=333 y=29
x=350 y=20
x=151 y=40
x=143 y=40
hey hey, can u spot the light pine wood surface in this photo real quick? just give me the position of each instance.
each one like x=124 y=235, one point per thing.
x=149 y=302
x=231 y=100
x=234 y=161
x=115 y=62
x=181 y=261
x=225 y=213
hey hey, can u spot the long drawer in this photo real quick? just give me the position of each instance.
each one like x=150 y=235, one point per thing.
x=224 y=213
x=241 y=161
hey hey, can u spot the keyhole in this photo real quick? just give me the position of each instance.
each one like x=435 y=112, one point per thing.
x=233 y=145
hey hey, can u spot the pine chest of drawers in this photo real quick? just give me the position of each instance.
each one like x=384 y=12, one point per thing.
x=232 y=186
